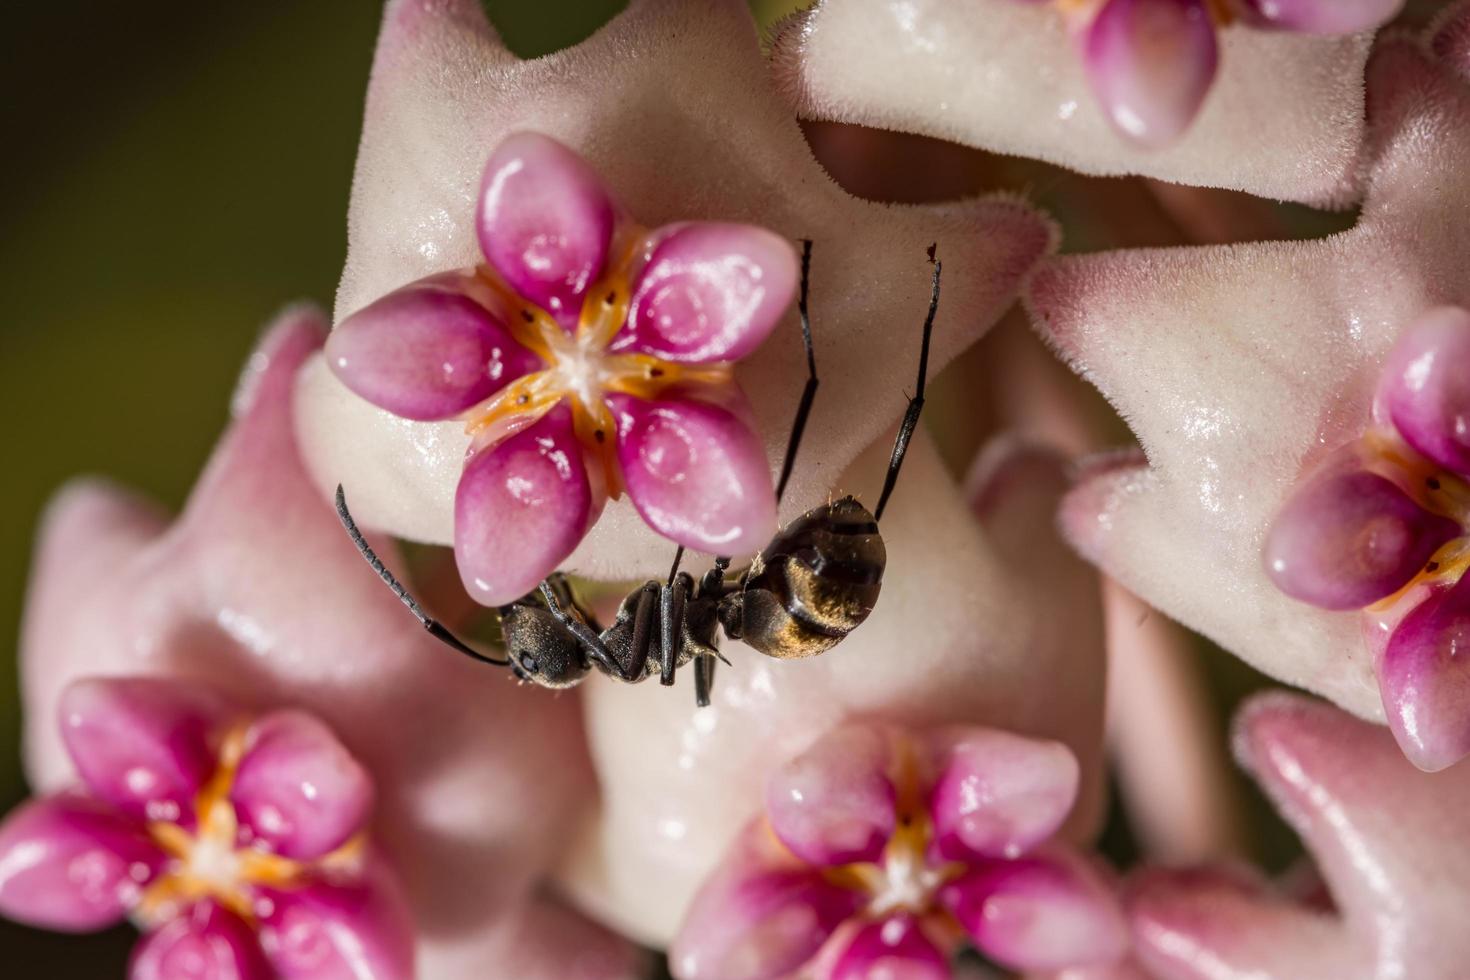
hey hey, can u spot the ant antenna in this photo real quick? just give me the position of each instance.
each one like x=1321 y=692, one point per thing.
x=808 y=393
x=433 y=627
x=916 y=403
x=674 y=571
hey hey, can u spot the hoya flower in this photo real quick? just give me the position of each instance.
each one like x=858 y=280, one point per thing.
x=1242 y=368
x=445 y=92
x=237 y=844
x=255 y=590
x=881 y=850
x=1188 y=91
x=1387 y=840
x=586 y=355
x=1385 y=527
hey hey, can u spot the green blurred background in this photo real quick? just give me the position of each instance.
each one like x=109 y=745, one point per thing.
x=176 y=173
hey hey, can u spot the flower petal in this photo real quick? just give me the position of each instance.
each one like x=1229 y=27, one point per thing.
x=145 y=745
x=1425 y=389
x=1319 y=16
x=998 y=794
x=1424 y=675
x=1151 y=63
x=709 y=292
x=206 y=943
x=521 y=508
x=1039 y=913
x=545 y=222
x=696 y=473
x=427 y=351
x=297 y=788
x=894 y=948
x=72 y=864
x=834 y=803
x=338 y=930
x=760 y=917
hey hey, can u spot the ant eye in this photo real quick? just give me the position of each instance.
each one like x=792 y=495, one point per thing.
x=528 y=663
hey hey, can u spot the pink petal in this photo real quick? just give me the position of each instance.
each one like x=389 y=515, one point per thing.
x=1039 y=913
x=349 y=930
x=710 y=292
x=891 y=949
x=207 y=943
x=1319 y=16
x=999 y=795
x=1425 y=390
x=521 y=507
x=146 y=745
x=298 y=789
x=696 y=473
x=1151 y=63
x=1424 y=675
x=545 y=222
x=761 y=916
x=72 y=864
x=834 y=803
x=427 y=351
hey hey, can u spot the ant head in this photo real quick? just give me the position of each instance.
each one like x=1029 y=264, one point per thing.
x=540 y=649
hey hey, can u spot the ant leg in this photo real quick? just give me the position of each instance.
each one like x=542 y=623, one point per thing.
x=592 y=644
x=704 y=679
x=809 y=392
x=671 y=622
x=432 y=626
x=568 y=598
x=642 y=641
x=916 y=403
x=713 y=582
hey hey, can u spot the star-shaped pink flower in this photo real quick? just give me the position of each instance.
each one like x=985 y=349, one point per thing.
x=1282 y=117
x=1389 y=843
x=445 y=92
x=255 y=590
x=1242 y=367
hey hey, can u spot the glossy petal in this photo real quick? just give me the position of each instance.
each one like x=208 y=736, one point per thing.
x=696 y=473
x=1239 y=367
x=891 y=949
x=521 y=508
x=1425 y=677
x=144 y=745
x=834 y=803
x=1319 y=16
x=1150 y=63
x=760 y=918
x=545 y=222
x=232 y=593
x=1425 y=389
x=426 y=351
x=1350 y=538
x=710 y=292
x=207 y=943
x=1284 y=119
x=445 y=92
x=997 y=794
x=1039 y=913
x=72 y=864
x=349 y=930
x=298 y=790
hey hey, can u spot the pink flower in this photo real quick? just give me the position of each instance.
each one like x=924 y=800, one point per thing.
x=240 y=843
x=883 y=850
x=586 y=355
x=1384 y=526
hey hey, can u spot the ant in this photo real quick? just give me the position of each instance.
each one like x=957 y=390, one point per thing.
x=815 y=582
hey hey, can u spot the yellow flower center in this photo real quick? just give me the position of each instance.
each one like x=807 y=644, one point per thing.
x=1437 y=491
x=579 y=368
x=209 y=863
x=1082 y=11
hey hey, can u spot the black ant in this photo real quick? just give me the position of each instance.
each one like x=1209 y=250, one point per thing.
x=814 y=583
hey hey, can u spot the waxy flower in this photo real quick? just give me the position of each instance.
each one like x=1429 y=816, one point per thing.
x=1241 y=368
x=1181 y=90
x=256 y=591
x=1385 y=527
x=586 y=355
x=1388 y=842
x=237 y=844
x=882 y=850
